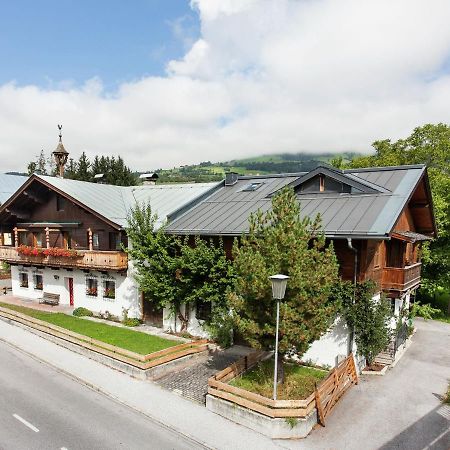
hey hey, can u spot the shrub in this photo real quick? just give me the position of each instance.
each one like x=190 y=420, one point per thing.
x=80 y=312
x=131 y=322
x=369 y=319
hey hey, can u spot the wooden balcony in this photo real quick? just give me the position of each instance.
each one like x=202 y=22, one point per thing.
x=86 y=259
x=401 y=279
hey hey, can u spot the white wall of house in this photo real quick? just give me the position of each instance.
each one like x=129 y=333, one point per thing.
x=170 y=323
x=56 y=282
x=331 y=346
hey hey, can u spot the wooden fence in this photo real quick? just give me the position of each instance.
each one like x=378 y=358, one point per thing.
x=134 y=359
x=324 y=398
x=330 y=390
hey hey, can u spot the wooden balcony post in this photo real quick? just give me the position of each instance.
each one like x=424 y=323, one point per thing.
x=91 y=247
x=47 y=237
x=16 y=237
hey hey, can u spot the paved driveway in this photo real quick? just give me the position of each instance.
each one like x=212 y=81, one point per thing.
x=192 y=381
x=401 y=410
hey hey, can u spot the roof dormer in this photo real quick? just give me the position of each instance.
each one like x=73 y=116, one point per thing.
x=329 y=180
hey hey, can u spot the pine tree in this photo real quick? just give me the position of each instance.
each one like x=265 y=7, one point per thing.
x=83 y=165
x=280 y=241
x=41 y=164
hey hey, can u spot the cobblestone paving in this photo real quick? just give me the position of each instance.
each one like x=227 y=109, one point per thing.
x=192 y=381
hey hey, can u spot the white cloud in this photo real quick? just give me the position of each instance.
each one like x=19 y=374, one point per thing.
x=264 y=76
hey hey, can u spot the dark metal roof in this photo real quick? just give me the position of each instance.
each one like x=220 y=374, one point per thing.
x=364 y=215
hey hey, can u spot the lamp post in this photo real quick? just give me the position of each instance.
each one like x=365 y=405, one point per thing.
x=279 y=283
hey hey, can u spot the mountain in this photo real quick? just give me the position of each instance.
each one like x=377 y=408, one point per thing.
x=276 y=163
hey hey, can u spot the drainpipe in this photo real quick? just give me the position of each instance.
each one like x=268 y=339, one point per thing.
x=355 y=277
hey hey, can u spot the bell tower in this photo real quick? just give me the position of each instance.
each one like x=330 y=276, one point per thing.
x=60 y=154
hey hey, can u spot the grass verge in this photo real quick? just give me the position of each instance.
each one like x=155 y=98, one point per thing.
x=134 y=341
x=299 y=380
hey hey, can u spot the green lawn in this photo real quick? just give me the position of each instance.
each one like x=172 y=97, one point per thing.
x=299 y=380
x=134 y=341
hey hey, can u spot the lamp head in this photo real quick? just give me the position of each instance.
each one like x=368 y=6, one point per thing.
x=279 y=283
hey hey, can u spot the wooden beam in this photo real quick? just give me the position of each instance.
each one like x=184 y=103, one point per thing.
x=17 y=213
x=34 y=198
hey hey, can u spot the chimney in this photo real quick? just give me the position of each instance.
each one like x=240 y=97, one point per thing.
x=231 y=178
x=149 y=179
x=99 y=178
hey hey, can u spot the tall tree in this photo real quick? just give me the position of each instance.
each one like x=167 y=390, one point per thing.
x=83 y=165
x=41 y=164
x=280 y=241
x=430 y=145
x=175 y=272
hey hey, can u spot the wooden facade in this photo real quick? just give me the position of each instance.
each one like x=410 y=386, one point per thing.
x=41 y=218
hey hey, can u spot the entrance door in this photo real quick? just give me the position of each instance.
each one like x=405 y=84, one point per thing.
x=151 y=315
x=70 y=285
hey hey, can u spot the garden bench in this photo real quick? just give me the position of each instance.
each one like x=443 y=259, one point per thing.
x=50 y=299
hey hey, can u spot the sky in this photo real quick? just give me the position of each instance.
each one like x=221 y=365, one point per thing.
x=167 y=83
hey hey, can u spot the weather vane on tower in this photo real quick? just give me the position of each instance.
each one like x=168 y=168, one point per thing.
x=60 y=154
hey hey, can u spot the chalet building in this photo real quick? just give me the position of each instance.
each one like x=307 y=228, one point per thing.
x=377 y=219
x=65 y=237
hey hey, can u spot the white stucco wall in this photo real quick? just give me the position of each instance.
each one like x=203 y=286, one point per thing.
x=56 y=282
x=194 y=326
x=334 y=344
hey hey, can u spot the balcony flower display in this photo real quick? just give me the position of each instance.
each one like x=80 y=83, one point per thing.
x=54 y=251
x=24 y=283
x=30 y=251
x=60 y=252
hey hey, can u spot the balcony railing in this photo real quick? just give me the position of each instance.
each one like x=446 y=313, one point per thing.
x=401 y=278
x=85 y=259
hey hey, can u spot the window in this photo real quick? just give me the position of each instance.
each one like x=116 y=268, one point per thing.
x=23 y=238
x=7 y=238
x=109 y=289
x=23 y=278
x=38 y=239
x=114 y=241
x=252 y=186
x=376 y=256
x=91 y=287
x=38 y=282
x=203 y=310
x=95 y=240
x=60 y=203
x=67 y=240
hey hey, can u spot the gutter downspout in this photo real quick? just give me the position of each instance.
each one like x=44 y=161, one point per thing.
x=355 y=275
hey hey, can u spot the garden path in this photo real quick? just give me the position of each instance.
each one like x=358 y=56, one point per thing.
x=192 y=381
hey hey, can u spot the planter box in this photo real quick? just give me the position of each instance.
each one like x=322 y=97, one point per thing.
x=275 y=428
x=375 y=372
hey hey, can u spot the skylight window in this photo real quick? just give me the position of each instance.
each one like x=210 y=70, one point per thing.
x=252 y=187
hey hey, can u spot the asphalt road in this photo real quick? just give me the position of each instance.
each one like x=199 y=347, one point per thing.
x=41 y=408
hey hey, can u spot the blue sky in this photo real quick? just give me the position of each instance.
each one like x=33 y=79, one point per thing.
x=45 y=42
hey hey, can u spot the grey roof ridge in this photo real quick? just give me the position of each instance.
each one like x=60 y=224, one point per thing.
x=407 y=198
x=271 y=175
x=384 y=168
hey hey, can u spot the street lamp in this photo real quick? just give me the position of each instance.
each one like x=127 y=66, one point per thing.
x=279 y=283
